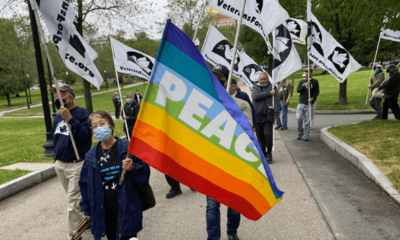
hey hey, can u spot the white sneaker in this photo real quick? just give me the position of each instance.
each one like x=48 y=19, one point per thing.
x=133 y=238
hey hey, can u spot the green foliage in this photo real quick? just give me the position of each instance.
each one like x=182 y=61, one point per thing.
x=8 y=175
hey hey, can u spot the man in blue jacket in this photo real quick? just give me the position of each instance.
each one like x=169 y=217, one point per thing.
x=235 y=92
x=67 y=164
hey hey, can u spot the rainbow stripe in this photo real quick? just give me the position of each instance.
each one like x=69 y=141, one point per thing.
x=191 y=129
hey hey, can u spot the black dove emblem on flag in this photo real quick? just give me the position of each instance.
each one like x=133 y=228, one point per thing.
x=141 y=60
x=340 y=59
x=259 y=6
x=282 y=45
x=76 y=43
x=224 y=49
x=315 y=37
x=252 y=72
x=293 y=27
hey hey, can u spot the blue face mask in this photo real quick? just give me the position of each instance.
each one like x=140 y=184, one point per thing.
x=103 y=133
x=129 y=100
x=376 y=69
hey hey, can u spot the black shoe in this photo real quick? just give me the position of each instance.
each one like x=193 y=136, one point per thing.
x=283 y=128
x=173 y=193
x=277 y=127
x=299 y=138
x=233 y=237
x=306 y=140
x=269 y=157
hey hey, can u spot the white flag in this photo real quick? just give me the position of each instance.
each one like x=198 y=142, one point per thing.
x=286 y=58
x=261 y=15
x=297 y=29
x=219 y=50
x=391 y=35
x=251 y=71
x=131 y=61
x=326 y=52
x=77 y=55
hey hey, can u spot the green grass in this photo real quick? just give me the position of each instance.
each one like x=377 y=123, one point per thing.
x=379 y=141
x=22 y=140
x=37 y=97
x=8 y=175
x=329 y=91
x=100 y=102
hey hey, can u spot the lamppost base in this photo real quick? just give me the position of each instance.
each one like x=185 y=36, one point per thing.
x=48 y=146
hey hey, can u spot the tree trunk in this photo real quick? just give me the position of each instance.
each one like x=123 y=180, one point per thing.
x=343 y=93
x=17 y=94
x=86 y=84
x=8 y=99
x=30 y=98
x=27 y=99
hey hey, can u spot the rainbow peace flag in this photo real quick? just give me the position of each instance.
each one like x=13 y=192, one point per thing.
x=191 y=129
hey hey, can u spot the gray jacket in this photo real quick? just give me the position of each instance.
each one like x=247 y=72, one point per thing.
x=262 y=99
x=377 y=81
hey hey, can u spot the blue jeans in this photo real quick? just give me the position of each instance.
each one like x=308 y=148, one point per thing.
x=284 y=111
x=213 y=217
x=303 y=113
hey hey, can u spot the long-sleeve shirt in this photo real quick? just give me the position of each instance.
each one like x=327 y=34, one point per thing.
x=303 y=90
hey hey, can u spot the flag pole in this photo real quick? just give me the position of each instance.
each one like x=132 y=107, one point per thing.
x=235 y=45
x=119 y=89
x=46 y=48
x=200 y=19
x=372 y=70
x=202 y=49
x=308 y=64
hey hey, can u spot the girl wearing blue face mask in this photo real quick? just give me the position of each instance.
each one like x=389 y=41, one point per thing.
x=131 y=110
x=114 y=210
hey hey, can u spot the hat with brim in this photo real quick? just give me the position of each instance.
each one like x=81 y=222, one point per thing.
x=64 y=88
x=221 y=70
x=389 y=66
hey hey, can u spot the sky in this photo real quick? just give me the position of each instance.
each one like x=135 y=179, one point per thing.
x=10 y=7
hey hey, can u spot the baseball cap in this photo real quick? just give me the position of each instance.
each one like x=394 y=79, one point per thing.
x=391 y=65
x=310 y=70
x=64 y=88
x=222 y=70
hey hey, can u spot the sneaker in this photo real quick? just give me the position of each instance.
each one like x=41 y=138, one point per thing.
x=269 y=157
x=233 y=237
x=299 y=138
x=277 y=127
x=283 y=128
x=306 y=140
x=173 y=193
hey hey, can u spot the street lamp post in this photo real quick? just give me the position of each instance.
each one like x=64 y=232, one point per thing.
x=29 y=90
x=48 y=145
x=197 y=42
x=105 y=75
x=66 y=80
x=51 y=94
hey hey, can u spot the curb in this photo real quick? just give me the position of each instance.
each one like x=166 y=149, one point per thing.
x=327 y=112
x=360 y=161
x=17 y=185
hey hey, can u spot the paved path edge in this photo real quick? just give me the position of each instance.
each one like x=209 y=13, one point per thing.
x=19 y=184
x=360 y=161
x=325 y=112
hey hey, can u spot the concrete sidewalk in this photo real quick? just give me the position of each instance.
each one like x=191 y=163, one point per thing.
x=40 y=212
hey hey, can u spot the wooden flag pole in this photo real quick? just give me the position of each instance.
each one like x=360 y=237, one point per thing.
x=372 y=71
x=119 y=89
x=235 y=45
x=200 y=19
x=46 y=48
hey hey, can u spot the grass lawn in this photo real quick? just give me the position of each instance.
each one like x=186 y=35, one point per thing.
x=22 y=140
x=100 y=102
x=36 y=95
x=379 y=141
x=329 y=90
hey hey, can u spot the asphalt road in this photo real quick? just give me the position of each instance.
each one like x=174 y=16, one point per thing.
x=353 y=206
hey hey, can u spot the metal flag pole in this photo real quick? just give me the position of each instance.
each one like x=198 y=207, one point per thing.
x=46 y=48
x=235 y=45
x=372 y=70
x=308 y=64
x=200 y=19
x=119 y=89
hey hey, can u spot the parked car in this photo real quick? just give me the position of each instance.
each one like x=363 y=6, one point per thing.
x=35 y=88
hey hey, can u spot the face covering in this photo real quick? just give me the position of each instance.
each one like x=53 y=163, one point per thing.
x=376 y=69
x=388 y=70
x=129 y=100
x=103 y=133
x=58 y=104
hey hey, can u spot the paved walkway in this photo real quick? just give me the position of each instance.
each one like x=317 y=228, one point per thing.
x=2 y=112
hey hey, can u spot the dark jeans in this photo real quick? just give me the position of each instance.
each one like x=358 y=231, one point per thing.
x=375 y=103
x=213 y=217
x=391 y=102
x=264 y=136
x=117 y=111
x=284 y=109
x=173 y=183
